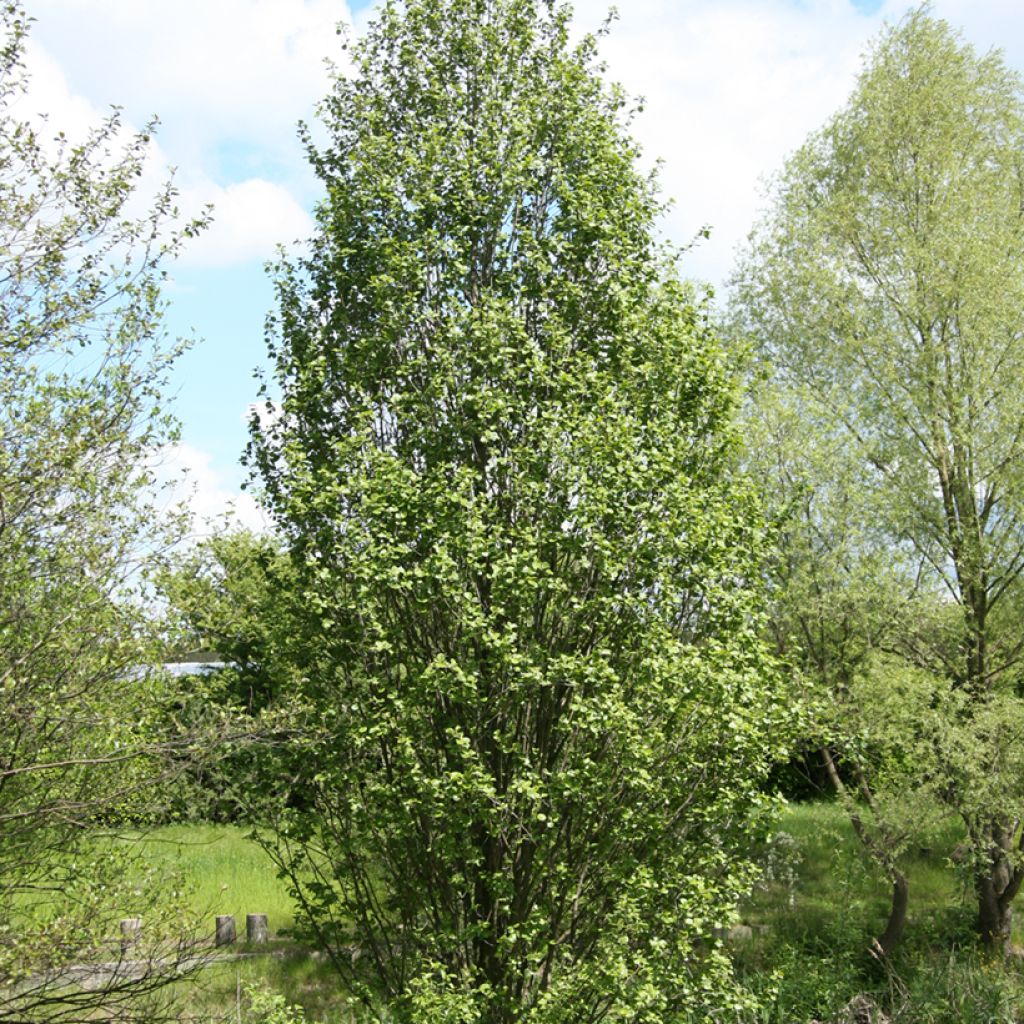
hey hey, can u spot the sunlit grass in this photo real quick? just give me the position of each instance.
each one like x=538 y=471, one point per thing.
x=810 y=952
x=218 y=993
x=224 y=872
x=834 y=879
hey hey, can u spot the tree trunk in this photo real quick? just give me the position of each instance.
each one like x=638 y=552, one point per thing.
x=879 y=848
x=889 y=938
x=995 y=915
x=996 y=886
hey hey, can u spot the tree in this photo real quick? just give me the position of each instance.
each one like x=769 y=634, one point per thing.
x=886 y=286
x=535 y=708
x=840 y=612
x=235 y=595
x=80 y=421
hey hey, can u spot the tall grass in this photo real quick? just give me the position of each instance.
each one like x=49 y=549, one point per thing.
x=224 y=872
x=811 y=956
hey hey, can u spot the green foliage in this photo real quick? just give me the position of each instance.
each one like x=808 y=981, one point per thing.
x=81 y=368
x=804 y=960
x=234 y=595
x=269 y=1007
x=883 y=292
x=532 y=708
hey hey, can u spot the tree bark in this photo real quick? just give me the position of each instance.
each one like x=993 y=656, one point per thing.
x=890 y=938
x=995 y=918
x=997 y=886
x=880 y=852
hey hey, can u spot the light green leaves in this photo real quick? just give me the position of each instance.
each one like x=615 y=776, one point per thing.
x=883 y=292
x=505 y=468
x=82 y=364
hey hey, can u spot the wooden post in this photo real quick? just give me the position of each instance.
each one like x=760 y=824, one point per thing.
x=225 y=930
x=256 y=930
x=131 y=932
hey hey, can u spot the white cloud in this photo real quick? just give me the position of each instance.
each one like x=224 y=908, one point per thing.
x=187 y=477
x=250 y=218
x=732 y=87
x=212 y=71
x=50 y=95
x=50 y=105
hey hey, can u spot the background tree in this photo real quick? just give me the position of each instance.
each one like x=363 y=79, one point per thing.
x=80 y=372
x=844 y=609
x=234 y=595
x=886 y=284
x=534 y=708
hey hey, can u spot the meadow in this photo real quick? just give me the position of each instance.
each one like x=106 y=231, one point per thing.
x=225 y=872
x=815 y=914
x=811 y=921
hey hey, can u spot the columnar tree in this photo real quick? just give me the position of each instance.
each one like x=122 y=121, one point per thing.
x=885 y=287
x=79 y=423
x=535 y=708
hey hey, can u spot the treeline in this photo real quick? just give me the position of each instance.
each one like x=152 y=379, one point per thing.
x=566 y=561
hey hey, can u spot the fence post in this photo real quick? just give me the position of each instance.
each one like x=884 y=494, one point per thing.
x=225 y=930
x=256 y=930
x=131 y=932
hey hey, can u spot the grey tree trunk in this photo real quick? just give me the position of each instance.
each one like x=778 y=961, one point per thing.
x=997 y=885
x=889 y=938
x=879 y=846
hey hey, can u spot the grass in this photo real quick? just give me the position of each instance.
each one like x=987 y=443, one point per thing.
x=220 y=992
x=831 y=871
x=810 y=957
x=224 y=872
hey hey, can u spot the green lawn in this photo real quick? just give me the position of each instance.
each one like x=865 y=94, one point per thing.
x=807 y=958
x=832 y=880
x=220 y=993
x=813 y=925
x=224 y=872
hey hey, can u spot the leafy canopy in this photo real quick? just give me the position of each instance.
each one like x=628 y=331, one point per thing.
x=534 y=707
x=81 y=368
x=884 y=290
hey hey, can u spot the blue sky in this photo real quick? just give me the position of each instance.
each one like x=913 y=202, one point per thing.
x=731 y=87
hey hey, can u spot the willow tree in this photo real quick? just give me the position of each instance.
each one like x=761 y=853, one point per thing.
x=535 y=708
x=885 y=289
x=840 y=596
